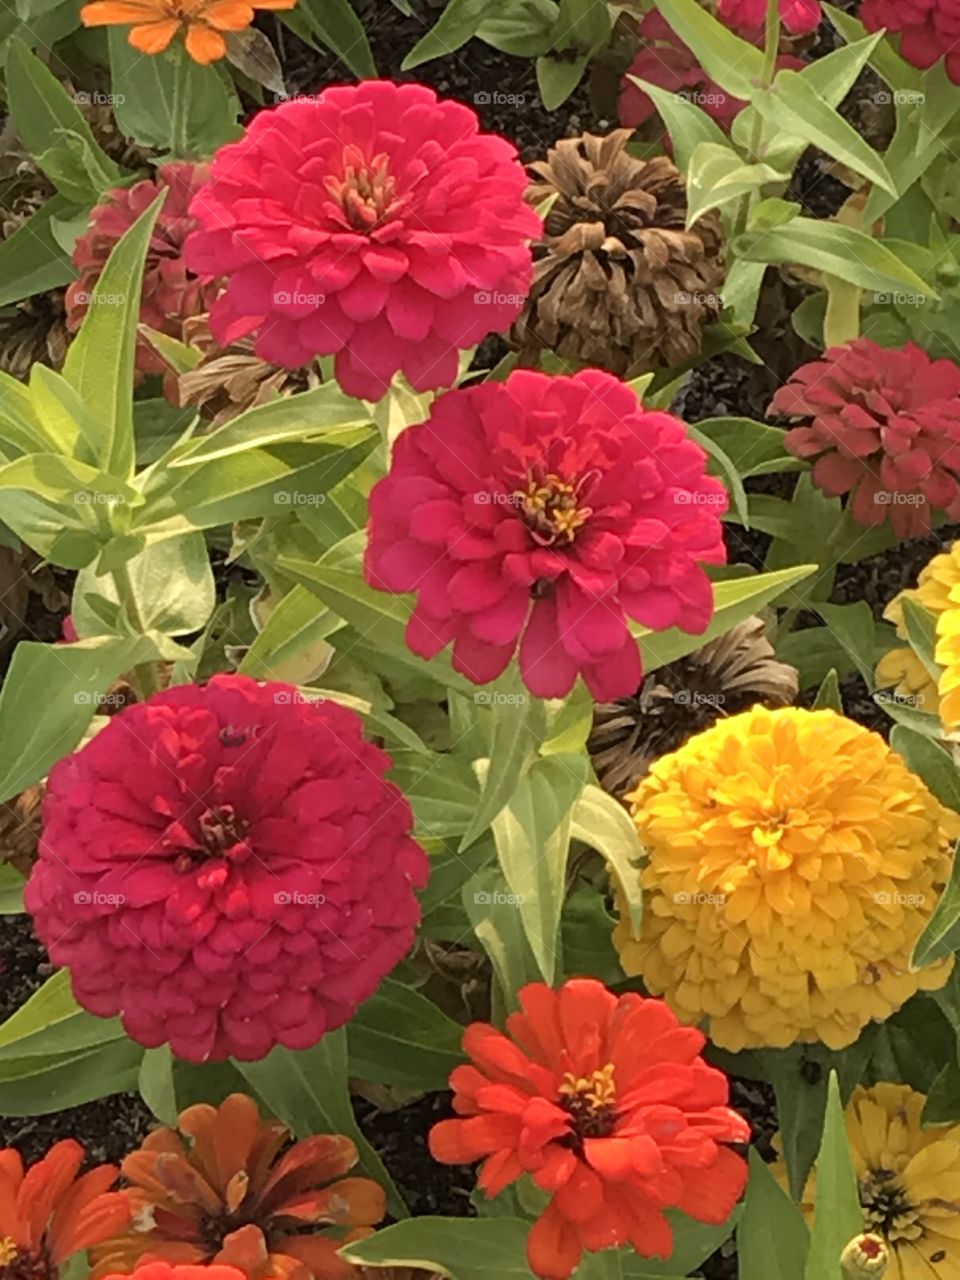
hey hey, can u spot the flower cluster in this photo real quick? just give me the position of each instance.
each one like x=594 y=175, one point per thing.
x=372 y=222
x=928 y=29
x=900 y=667
x=607 y=1104
x=226 y=868
x=883 y=426
x=908 y=1178
x=792 y=863
x=226 y=1187
x=545 y=512
x=171 y=292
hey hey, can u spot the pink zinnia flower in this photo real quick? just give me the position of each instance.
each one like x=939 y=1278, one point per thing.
x=930 y=29
x=226 y=868
x=545 y=512
x=171 y=292
x=748 y=17
x=883 y=426
x=373 y=222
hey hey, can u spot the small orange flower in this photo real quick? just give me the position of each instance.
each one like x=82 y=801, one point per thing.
x=47 y=1213
x=166 y=1271
x=156 y=22
x=216 y=1189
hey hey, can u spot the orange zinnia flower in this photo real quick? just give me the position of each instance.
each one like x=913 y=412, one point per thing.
x=607 y=1103
x=156 y=22
x=47 y=1213
x=216 y=1189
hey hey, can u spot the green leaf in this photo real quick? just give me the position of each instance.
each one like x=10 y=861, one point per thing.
x=459 y=21
x=883 y=58
x=837 y=1216
x=828 y=695
x=522 y=28
x=754 y=448
x=921 y=628
x=558 y=77
x=54 y=129
x=734 y=600
x=31 y=259
x=308 y=1091
x=156 y=1085
x=772 y=1238
x=492 y=910
x=931 y=761
x=532 y=835
x=71 y=681
x=12 y=884
x=718 y=176
x=336 y=25
x=943 y=1101
x=604 y=824
x=100 y=360
x=43 y=1086
x=731 y=62
x=854 y=629
x=462 y=1248
x=726 y=469
x=688 y=125
x=941 y=936
x=172 y=586
x=794 y=106
x=293 y=645
x=52 y=1024
x=835 y=249
x=398 y=1037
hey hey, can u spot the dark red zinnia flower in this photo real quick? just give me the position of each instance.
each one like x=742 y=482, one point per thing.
x=226 y=868
x=606 y=1102
x=929 y=29
x=171 y=293
x=373 y=222
x=883 y=426
x=545 y=512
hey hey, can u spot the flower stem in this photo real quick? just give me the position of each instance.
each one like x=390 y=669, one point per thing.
x=181 y=105
x=146 y=674
x=771 y=51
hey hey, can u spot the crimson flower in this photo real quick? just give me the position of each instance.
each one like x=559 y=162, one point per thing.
x=929 y=29
x=226 y=868
x=607 y=1104
x=883 y=426
x=747 y=17
x=546 y=511
x=171 y=292
x=372 y=222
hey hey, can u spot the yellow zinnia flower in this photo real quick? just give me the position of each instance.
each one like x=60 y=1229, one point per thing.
x=909 y=1180
x=901 y=667
x=792 y=862
x=947 y=656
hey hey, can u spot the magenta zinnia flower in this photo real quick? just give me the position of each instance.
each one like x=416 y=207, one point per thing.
x=373 y=222
x=226 y=868
x=545 y=512
x=883 y=426
x=930 y=29
x=171 y=293
x=747 y=17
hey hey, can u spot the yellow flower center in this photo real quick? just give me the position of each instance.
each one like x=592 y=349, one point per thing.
x=591 y=1102
x=8 y=1251
x=367 y=192
x=551 y=509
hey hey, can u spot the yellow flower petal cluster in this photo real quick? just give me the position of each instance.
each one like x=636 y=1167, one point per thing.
x=901 y=667
x=947 y=656
x=792 y=862
x=909 y=1180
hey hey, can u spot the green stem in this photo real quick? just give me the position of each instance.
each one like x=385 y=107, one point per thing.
x=146 y=674
x=181 y=104
x=771 y=51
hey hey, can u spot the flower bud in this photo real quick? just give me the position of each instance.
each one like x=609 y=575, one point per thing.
x=865 y=1258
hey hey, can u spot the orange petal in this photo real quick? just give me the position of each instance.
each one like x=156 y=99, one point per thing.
x=188 y=1184
x=274 y=4
x=235 y=1130
x=353 y=1202
x=318 y=1253
x=553 y=1246
x=204 y=45
x=307 y=1165
x=104 y=13
x=245 y=1249
x=228 y=15
x=44 y=1185
x=154 y=36
x=86 y=1201
x=199 y=1123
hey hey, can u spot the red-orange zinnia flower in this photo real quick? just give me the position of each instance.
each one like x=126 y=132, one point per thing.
x=182 y=1271
x=47 y=1213
x=607 y=1103
x=216 y=1189
x=154 y=23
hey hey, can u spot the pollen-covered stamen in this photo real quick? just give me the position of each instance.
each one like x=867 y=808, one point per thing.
x=222 y=830
x=24 y=1264
x=591 y=1102
x=551 y=508
x=367 y=192
x=887 y=1208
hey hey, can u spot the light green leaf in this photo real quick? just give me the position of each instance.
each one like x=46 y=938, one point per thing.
x=837 y=1216
x=604 y=824
x=156 y=1086
x=12 y=884
x=459 y=21
x=461 y=1248
x=731 y=62
x=717 y=176
x=725 y=469
x=941 y=936
x=172 y=584
x=558 y=77
x=828 y=695
x=931 y=761
x=44 y=1085
x=754 y=448
x=772 y=1238
x=688 y=125
x=921 y=628
x=100 y=360
x=31 y=259
x=293 y=645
